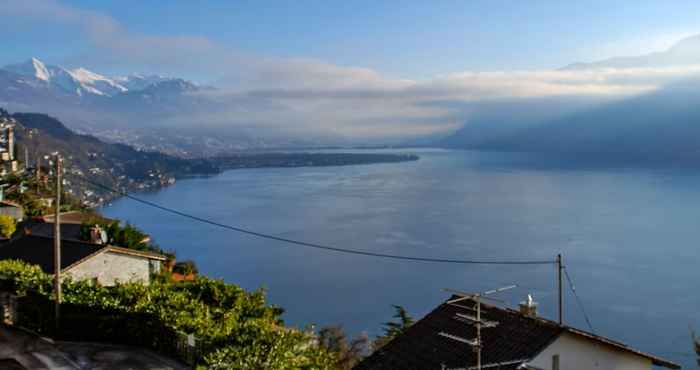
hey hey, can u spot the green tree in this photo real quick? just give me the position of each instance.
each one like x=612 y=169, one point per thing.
x=272 y=349
x=347 y=354
x=393 y=329
x=186 y=267
x=8 y=225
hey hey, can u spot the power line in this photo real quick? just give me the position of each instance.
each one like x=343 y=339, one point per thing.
x=315 y=245
x=578 y=300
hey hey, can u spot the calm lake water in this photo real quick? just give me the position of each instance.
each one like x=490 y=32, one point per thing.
x=629 y=239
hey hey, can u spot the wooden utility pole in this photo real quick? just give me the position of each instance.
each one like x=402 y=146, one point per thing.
x=559 y=268
x=479 y=347
x=57 y=241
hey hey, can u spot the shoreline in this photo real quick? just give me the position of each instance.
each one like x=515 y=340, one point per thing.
x=276 y=160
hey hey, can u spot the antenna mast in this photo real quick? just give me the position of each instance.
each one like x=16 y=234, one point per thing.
x=477 y=343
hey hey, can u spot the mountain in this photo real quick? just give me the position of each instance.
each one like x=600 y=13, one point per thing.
x=139 y=82
x=683 y=53
x=79 y=81
x=659 y=128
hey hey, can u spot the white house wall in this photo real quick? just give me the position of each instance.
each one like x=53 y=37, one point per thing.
x=577 y=353
x=109 y=267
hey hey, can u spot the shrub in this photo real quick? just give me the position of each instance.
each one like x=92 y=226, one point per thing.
x=8 y=225
x=236 y=329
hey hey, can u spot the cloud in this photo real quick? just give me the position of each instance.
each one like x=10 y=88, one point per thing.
x=304 y=95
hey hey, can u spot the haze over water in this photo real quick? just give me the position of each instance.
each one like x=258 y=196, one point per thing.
x=629 y=239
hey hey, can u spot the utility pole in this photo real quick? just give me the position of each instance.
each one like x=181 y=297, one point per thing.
x=57 y=241
x=38 y=172
x=478 y=331
x=559 y=268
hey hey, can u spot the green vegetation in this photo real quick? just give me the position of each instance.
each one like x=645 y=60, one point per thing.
x=127 y=236
x=7 y=226
x=348 y=353
x=393 y=329
x=238 y=328
x=36 y=197
x=187 y=267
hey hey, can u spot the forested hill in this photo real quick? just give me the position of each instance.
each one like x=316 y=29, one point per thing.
x=115 y=165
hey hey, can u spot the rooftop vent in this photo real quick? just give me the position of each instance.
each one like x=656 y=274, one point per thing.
x=528 y=307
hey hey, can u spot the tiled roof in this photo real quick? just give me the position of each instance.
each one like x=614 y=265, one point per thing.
x=440 y=340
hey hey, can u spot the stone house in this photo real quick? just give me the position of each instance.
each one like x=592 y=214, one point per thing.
x=103 y=264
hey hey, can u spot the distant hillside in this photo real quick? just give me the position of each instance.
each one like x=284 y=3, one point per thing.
x=660 y=128
x=115 y=165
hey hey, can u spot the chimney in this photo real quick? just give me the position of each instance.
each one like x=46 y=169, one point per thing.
x=528 y=307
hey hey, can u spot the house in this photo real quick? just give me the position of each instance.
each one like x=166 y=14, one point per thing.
x=104 y=264
x=511 y=339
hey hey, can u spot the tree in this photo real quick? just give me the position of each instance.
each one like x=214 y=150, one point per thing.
x=186 y=267
x=347 y=355
x=8 y=225
x=271 y=349
x=393 y=329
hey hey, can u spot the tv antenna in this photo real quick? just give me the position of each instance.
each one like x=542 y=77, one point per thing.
x=477 y=297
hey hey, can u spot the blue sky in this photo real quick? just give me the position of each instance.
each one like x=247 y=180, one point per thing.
x=402 y=39
x=368 y=69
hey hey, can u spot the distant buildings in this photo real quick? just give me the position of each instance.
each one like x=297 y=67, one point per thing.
x=8 y=162
x=510 y=340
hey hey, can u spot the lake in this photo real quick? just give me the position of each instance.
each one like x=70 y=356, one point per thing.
x=629 y=238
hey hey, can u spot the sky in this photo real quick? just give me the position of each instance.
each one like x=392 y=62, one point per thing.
x=395 y=60
x=410 y=39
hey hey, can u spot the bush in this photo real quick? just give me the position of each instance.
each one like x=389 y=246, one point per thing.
x=8 y=225
x=236 y=329
x=186 y=267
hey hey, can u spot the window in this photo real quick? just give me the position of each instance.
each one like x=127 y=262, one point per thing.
x=555 y=362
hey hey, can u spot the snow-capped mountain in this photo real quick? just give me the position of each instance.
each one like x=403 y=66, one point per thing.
x=78 y=81
x=139 y=82
x=151 y=112
x=31 y=68
x=81 y=81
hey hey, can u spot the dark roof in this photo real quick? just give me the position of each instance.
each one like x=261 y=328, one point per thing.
x=514 y=340
x=38 y=250
x=77 y=217
x=69 y=231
